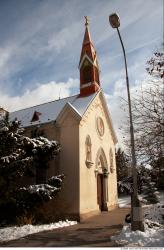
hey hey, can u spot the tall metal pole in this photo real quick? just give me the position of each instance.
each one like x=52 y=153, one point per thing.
x=136 y=212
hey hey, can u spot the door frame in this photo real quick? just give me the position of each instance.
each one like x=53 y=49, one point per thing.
x=102 y=179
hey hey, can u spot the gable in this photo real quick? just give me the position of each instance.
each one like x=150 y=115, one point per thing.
x=68 y=115
x=99 y=112
x=108 y=116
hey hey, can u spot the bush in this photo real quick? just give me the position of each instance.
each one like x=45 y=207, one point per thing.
x=8 y=211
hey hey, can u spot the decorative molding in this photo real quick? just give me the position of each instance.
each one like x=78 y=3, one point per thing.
x=100 y=128
x=105 y=172
x=100 y=101
x=89 y=164
x=85 y=57
x=84 y=85
x=101 y=163
x=95 y=62
x=108 y=116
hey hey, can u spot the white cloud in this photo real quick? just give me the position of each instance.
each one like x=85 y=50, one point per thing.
x=50 y=29
x=42 y=93
x=61 y=39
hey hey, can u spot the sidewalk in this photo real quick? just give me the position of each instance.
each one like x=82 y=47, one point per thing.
x=93 y=232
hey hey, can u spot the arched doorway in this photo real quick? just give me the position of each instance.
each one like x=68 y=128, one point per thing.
x=102 y=180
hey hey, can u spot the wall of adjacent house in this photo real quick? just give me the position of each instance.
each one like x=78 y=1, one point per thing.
x=88 y=178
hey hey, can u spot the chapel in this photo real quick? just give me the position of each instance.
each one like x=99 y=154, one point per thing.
x=83 y=126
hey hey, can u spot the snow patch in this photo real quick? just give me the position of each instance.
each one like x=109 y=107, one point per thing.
x=12 y=233
x=152 y=237
x=154 y=230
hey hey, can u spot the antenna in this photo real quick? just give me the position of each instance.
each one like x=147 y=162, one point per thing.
x=59 y=93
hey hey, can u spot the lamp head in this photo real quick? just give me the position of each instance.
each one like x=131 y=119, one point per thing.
x=114 y=20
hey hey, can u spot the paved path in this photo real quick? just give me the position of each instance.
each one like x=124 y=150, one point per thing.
x=92 y=232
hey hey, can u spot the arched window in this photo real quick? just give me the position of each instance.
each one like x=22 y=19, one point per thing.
x=87 y=74
x=88 y=146
x=111 y=161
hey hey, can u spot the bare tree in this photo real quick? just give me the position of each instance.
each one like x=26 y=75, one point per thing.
x=148 y=112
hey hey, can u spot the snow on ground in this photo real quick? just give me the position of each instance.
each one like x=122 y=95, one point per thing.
x=154 y=228
x=124 y=201
x=152 y=237
x=154 y=213
x=12 y=233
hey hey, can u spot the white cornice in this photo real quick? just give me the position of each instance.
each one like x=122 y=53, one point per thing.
x=84 y=85
x=85 y=57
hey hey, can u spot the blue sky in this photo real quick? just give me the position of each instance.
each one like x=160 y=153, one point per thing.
x=41 y=42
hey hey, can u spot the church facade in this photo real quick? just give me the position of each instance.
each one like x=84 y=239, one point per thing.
x=82 y=125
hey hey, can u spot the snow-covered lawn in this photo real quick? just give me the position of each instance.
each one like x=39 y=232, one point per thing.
x=12 y=233
x=154 y=228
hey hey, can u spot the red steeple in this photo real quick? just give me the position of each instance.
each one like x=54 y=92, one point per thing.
x=88 y=65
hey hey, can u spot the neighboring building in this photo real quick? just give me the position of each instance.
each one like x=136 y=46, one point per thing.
x=82 y=124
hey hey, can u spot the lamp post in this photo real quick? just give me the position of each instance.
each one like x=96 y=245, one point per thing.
x=136 y=212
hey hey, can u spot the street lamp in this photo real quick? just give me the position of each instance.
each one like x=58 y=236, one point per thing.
x=136 y=212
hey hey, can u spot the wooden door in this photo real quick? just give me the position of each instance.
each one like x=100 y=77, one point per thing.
x=100 y=191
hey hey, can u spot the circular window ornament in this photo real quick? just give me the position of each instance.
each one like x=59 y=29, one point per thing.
x=100 y=126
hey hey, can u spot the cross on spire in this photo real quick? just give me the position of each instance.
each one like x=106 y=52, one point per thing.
x=86 y=20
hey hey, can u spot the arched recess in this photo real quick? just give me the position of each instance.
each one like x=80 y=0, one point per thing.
x=88 y=148
x=101 y=171
x=101 y=161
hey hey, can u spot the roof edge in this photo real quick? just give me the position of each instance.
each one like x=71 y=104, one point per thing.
x=43 y=103
x=109 y=116
x=91 y=101
x=68 y=106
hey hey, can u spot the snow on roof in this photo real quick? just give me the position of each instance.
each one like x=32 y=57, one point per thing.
x=50 y=111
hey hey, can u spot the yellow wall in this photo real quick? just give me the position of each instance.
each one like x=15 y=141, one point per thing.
x=88 y=180
x=69 y=163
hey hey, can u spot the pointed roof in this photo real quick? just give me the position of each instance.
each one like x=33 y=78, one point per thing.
x=87 y=36
x=50 y=111
x=87 y=46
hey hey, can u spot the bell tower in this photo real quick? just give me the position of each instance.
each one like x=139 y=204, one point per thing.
x=88 y=65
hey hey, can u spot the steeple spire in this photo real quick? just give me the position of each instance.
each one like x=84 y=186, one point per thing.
x=86 y=20
x=88 y=65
